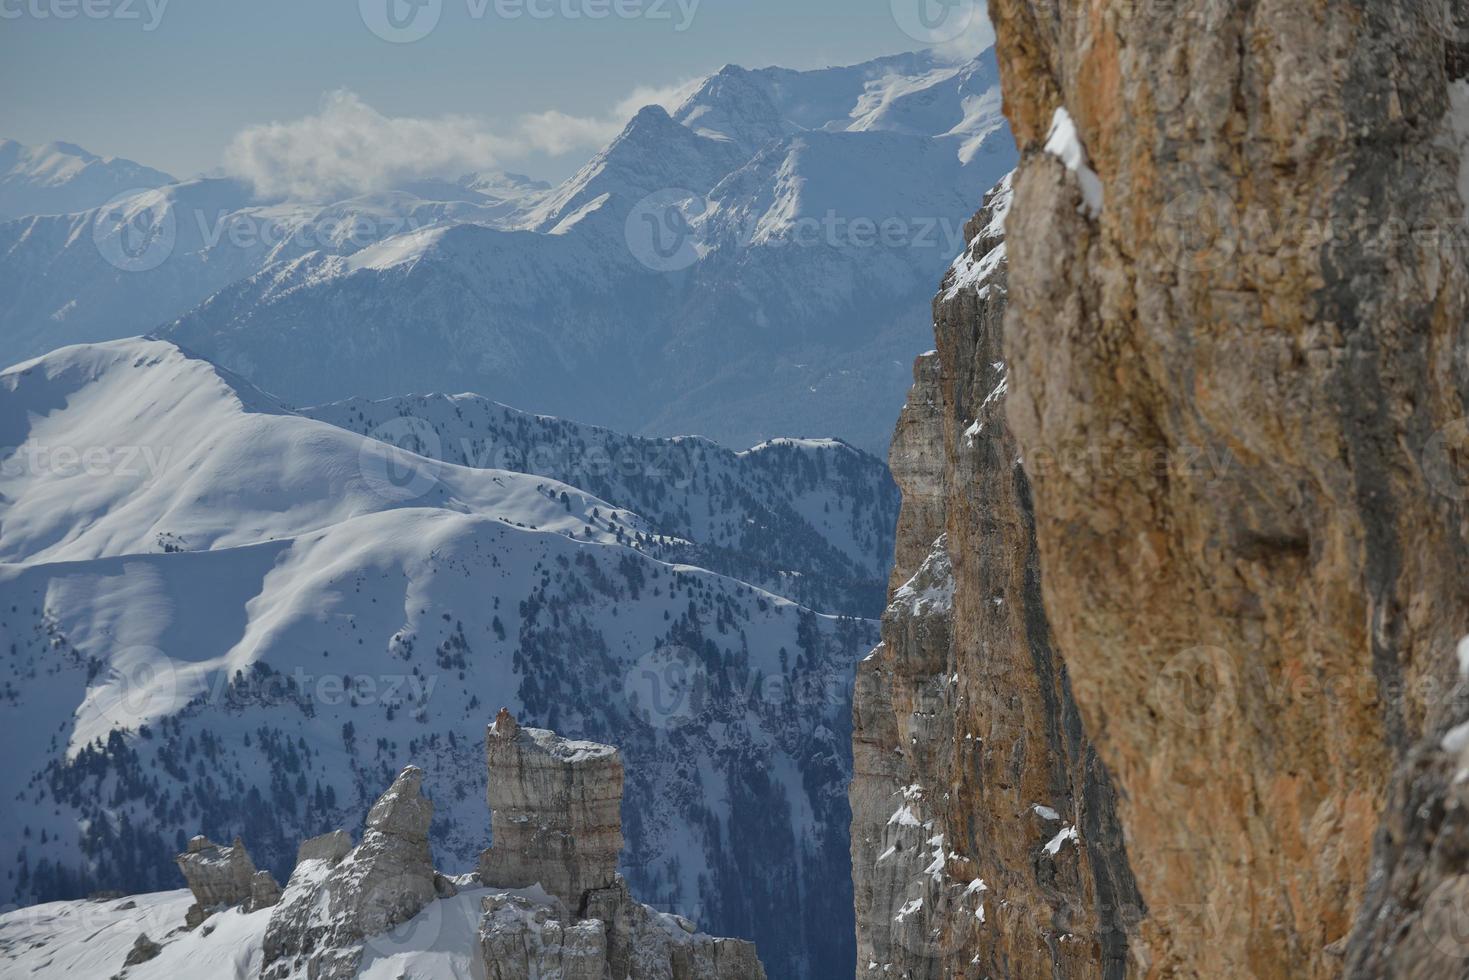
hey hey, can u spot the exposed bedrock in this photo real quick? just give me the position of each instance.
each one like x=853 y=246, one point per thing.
x=556 y=808
x=555 y=811
x=553 y=904
x=338 y=898
x=1236 y=339
x=221 y=877
x=984 y=838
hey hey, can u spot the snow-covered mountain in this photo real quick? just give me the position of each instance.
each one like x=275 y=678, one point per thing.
x=808 y=519
x=125 y=267
x=60 y=178
x=916 y=94
x=754 y=264
x=220 y=616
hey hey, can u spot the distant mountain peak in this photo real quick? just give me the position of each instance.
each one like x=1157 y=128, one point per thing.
x=71 y=150
x=652 y=114
x=752 y=107
x=62 y=178
x=653 y=152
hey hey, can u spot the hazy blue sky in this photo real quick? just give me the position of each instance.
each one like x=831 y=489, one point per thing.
x=176 y=95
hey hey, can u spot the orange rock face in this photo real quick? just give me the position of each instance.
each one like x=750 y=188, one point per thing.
x=1236 y=337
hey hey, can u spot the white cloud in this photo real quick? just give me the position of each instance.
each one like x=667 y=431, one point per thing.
x=557 y=133
x=669 y=97
x=348 y=147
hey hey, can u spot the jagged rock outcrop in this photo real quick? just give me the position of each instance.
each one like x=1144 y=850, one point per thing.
x=334 y=901
x=984 y=837
x=643 y=942
x=521 y=940
x=221 y=877
x=1236 y=334
x=330 y=847
x=555 y=811
x=559 y=908
x=265 y=891
x=144 y=949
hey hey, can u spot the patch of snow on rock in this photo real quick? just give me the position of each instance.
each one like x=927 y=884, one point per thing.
x=1064 y=143
x=1054 y=846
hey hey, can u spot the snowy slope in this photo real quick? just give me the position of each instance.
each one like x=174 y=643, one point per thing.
x=82 y=940
x=179 y=450
x=59 y=178
x=86 y=940
x=253 y=635
x=808 y=519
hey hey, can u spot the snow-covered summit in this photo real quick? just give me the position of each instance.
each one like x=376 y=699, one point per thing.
x=176 y=450
x=58 y=178
x=651 y=154
x=918 y=93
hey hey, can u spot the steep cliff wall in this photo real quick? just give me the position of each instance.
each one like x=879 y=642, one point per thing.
x=1236 y=334
x=984 y=837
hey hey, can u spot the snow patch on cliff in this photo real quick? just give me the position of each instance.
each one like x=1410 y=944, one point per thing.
x=1064 y=143
x=932 y=588
x=969 y=272
x=1054 y=846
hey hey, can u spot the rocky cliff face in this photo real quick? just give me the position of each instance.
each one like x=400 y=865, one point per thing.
x=1235 y=338
x=555 y=812
x=984 y=836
